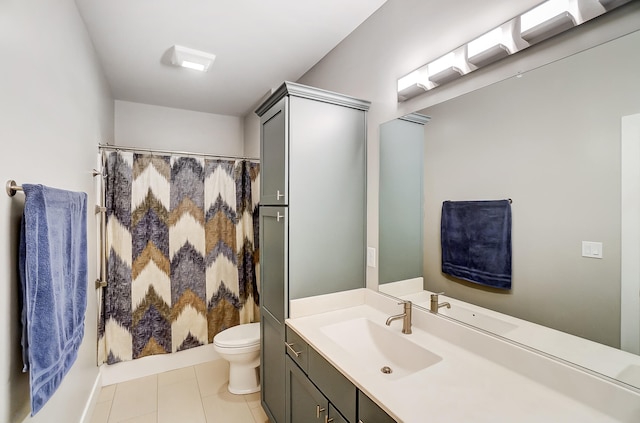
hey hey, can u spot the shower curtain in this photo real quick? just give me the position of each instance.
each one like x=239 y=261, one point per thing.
x=182 y=252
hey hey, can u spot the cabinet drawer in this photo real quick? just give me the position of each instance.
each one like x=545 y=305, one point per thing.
x=337 y=388
x=297 y=349
x=334 y=416
x=369 y=412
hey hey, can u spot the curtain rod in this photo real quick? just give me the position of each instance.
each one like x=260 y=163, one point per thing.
x=184 y=153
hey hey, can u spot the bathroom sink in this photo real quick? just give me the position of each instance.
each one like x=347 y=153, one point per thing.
x=479 y=320
x=379 y=348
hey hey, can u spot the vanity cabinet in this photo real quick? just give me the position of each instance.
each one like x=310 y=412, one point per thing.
x=369 y=412
x=317 y=391
x=305 y=402
x=337 y=388
x=313 y=154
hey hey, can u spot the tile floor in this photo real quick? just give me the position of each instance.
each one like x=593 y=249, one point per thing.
x=196 y=394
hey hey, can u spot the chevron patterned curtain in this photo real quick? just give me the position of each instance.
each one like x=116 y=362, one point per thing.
x=183 y=252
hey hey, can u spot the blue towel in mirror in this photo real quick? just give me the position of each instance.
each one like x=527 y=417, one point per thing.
x=53 y=275
x=476 y=241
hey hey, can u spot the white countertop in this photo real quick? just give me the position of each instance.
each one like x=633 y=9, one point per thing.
x=464 y=386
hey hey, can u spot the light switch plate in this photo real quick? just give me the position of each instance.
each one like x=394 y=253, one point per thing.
x=592 y=249
x=371 y=257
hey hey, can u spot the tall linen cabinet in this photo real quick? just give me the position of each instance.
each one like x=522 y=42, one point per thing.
x=312 y=212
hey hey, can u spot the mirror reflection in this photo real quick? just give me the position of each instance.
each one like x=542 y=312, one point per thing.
x=401 y=198
x=551 y=141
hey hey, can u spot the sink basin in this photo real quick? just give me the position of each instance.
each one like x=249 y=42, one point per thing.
x=479 y=320
x=378 y=347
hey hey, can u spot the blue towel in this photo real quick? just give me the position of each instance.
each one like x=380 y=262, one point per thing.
x=53 y=274
x=476 y=241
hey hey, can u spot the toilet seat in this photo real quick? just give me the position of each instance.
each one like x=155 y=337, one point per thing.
x=240 y=336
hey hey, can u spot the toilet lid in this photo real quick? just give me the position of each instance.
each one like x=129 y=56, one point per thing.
x=239 y=336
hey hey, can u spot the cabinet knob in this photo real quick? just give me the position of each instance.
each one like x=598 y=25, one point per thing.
x=279 y=216
x=278 y=195
x=328 y=419
x=318 y=411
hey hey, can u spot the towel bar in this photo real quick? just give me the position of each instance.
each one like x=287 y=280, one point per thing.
x=12 y=187
x=508 y=199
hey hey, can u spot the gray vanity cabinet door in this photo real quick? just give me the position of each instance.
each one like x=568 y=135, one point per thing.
x=369 y=412
x=274 y=155
x=273 y=229
x=337 y=388
x=335 y=416
x=305 y=403
x=272 y=367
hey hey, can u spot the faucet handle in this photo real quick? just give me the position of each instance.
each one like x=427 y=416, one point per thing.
x=435 y=295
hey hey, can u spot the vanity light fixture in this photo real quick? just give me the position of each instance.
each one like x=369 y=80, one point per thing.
x=191 y=59
x=612 y=4
x=555 y=16
x=544 y=21
x=550 y=18
x=414 y=83
x=449 y=67
x=495 y=44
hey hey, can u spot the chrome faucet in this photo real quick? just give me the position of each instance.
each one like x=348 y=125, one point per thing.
x=434 y=303
x=406 y=317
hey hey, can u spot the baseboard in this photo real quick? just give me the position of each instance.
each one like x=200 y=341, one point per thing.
x=90 y=406
x=146 y=366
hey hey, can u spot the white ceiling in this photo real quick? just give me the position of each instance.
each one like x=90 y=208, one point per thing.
x=258 y=44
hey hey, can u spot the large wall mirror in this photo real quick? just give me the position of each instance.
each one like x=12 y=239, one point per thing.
x=550 y=140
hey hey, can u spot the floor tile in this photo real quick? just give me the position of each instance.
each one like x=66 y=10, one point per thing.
x=135 y=398
x=253 y=400
x=180 y=402
x=226 y=407
x=194 y=394
x=259 y=416
x=101 y=412
x=147 y=418
x=179 y=375
x=213 y=376
x=107 y=393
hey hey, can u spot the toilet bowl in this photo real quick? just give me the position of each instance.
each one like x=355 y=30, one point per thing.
x=240 y=346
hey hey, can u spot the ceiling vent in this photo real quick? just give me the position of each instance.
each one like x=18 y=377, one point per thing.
x=191 y=59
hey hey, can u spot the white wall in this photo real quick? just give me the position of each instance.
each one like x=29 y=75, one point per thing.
x=55 y=106
x=252 y=128
x=165 y=128
x=252 y=135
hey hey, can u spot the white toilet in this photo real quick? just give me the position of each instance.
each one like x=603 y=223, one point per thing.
x=240 y=346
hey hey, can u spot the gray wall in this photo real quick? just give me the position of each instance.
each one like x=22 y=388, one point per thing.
x=549 y=140
x=395 y=40
x=55 y=107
